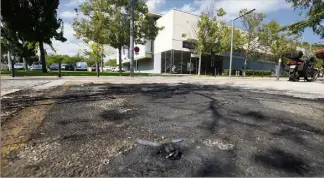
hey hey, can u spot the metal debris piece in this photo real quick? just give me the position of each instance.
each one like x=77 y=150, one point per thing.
x=177 y=140
x=170 y=149
x=147 y=143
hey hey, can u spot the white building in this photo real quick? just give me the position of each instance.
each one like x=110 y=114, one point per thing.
x=167 y=53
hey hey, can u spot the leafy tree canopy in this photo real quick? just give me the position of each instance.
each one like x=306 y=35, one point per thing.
x=34 y=21
x=314 y=16
x=111 y=62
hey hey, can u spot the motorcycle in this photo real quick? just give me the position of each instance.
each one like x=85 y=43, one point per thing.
x=300 y=66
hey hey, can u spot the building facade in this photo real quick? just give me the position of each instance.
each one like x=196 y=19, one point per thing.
x=173 y=52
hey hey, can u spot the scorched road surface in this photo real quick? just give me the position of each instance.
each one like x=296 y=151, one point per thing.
x=90 y=130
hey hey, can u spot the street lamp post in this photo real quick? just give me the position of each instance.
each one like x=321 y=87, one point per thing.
x=131 y=46
x=232 y=36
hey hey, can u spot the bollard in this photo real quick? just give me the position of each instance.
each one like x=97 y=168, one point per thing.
x=13 y=74
x=59 y=70
x=215 y=72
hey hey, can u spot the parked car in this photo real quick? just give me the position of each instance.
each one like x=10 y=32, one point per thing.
x=63 y=66
x=69 y=67
x=93 y=67
x=81 y=66
x=116 y=69
x=19 y=66
x=54 y=66
x=36 y=66
x=106 y=68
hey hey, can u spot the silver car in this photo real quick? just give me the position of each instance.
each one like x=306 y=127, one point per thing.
x=36 y=66
x=81 y=66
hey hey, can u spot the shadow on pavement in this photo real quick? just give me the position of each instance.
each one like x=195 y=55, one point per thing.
x=284 y=161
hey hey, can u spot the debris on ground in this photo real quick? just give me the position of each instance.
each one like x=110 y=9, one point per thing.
x=170 y=149
x=219 y=144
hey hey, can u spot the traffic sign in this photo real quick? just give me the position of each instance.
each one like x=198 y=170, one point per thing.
x=136 y=49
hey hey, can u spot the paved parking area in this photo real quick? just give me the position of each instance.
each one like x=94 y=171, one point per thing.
x=90 y=129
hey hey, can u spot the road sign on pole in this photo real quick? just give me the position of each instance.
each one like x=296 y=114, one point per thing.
x=136 y=49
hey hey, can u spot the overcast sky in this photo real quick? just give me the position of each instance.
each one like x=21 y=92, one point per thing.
x=278 y=10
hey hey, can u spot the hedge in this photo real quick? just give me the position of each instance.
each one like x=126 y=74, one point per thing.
x=251 y=72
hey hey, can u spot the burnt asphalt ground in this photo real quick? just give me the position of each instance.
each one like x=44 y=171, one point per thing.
x=90 y=130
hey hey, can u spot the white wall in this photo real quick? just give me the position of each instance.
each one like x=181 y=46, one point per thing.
x=157 y=62
x=163 y=40
x=183 y=23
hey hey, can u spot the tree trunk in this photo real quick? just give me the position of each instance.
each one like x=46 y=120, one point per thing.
x=199 y=65
x=25 y=63
x=102 y=62
x=120 y=61
x=42 y=56
x=97 y=68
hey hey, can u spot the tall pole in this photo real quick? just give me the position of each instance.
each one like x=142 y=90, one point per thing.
x=9 y=61
x=131 y=46
x=231 y=55
x=232 y=36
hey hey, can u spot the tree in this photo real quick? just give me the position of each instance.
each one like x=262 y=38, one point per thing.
x=225 y=35
x=117 y=30
x=207 y=38
x=314 y=15
x=93 y=30
x=252 y=26
x=10 y=41
x=35 y=21
x=276 y=41
x=209 y=33
x=51 y=59
x=111 y=62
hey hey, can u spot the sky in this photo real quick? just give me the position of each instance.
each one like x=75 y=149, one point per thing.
x=278 y=10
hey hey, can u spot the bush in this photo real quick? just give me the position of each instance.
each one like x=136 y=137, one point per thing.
x=225 y=72
x=257 y=73
x=251 y=72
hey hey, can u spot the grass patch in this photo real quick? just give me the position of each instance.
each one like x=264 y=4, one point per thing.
x=20 y=73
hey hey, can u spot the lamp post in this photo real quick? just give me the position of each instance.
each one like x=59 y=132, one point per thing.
x=232 y=36
x=131 y=46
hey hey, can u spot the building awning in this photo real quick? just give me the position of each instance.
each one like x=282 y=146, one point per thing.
x=153 y=15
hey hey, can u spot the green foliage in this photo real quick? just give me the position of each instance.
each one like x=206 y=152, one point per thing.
x=251 y=72
x=64 y=59
x=208 y=38
x=111 y=62
x=252 y=26
x=34 y=21
x=257 y=73
x=314 y=16
x=225 y=40
x=11 y=41
x=107 y=22
x=277 y=41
